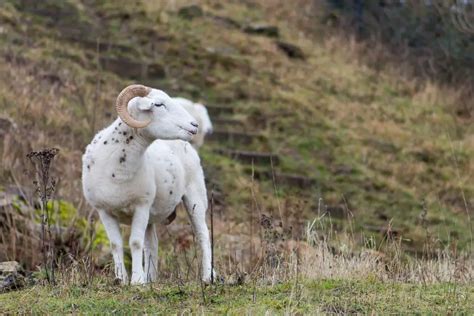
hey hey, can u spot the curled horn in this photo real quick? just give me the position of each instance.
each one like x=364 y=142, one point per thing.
x=134 y=90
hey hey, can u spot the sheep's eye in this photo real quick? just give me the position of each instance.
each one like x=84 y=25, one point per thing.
x=159 y=104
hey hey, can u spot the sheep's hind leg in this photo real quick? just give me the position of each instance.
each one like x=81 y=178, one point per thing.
x=195 y=201
x=116 y=244
x=151 y=253
x=137 y=238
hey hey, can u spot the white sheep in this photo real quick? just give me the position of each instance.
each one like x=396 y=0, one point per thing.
x=199 y=112
x=137 y=170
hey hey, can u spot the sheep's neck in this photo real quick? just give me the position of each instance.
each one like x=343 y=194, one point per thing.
x=128 y=155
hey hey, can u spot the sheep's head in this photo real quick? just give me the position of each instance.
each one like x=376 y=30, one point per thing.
x=155 y=113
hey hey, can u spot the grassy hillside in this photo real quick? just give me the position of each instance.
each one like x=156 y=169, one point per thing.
x=377 y=148
x=379 y=155
x=326 y=173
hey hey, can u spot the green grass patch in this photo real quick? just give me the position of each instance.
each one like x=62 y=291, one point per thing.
x=323 y=296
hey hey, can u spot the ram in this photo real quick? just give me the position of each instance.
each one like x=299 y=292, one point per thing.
x=137 y=170
x=199 y=112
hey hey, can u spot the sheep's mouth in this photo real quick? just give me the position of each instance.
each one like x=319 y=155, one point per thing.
x=189 y=131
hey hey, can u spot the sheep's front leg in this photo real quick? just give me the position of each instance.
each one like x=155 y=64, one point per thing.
x=112 y=228
x=151 y=253
x=137 y=237
x=195 y=201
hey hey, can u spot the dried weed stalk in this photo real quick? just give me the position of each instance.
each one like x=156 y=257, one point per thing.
x=45 y=186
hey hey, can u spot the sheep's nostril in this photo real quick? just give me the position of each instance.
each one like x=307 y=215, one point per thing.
x=195 y=124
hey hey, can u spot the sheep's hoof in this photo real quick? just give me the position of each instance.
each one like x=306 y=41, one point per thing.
x=119 y=281
x=135 y=283
x=138 y=279
x=216 y=280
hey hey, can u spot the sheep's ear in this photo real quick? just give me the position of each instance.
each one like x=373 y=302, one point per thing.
x=145 y=104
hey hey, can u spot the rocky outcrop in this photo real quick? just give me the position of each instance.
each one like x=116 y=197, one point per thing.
x=291 y=50
x=128 y=68
x=6 y=124
x=262 y=29
x=11 y=276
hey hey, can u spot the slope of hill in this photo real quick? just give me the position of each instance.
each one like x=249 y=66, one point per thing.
x=309 y=144
x=299 y=133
